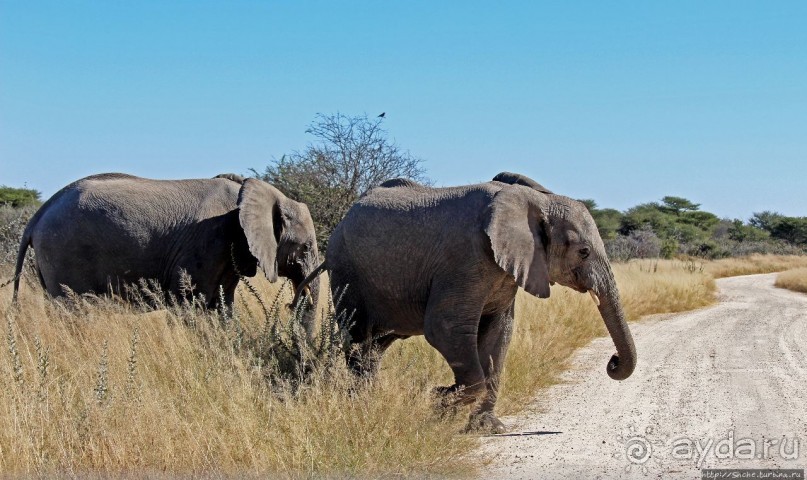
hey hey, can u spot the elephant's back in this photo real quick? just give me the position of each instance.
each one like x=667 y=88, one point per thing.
x=427 y=210
x=415 y=228
x=138 y=197
x=399 y=195
x=115 y=201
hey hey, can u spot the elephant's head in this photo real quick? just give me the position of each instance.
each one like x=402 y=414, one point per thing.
x=543 y=238
x=280 y=234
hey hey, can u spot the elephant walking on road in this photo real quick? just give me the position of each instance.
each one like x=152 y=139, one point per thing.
x=105 y=231
x=447 y=262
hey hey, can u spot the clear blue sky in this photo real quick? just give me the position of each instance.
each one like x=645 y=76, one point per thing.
x=623 y=102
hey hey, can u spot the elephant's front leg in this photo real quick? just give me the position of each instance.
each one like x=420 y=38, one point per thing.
x=454 y=334
x=493 y=339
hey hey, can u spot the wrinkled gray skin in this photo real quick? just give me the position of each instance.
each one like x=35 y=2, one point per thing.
x=105 y=231
x=447 y=262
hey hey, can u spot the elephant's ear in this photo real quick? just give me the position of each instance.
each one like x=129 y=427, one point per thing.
x=514 y=225
x=259 y=215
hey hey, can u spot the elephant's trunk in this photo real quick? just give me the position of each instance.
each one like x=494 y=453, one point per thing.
x=622 y=364
x=308 y=291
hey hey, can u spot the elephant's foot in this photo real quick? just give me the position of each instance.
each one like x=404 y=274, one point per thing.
x=484 y=422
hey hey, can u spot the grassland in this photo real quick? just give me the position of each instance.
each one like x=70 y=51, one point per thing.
x=98 y=386
x=732 y=267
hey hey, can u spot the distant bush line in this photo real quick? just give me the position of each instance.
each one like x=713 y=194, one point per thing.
x=676 y=227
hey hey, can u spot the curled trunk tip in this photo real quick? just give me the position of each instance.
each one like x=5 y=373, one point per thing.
x=617 y=371
x=622 y=364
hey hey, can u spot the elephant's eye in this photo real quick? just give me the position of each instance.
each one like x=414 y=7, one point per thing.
x=584 y=252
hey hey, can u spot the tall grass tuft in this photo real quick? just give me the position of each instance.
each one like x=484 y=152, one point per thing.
x=795 y=280
x=132 y=385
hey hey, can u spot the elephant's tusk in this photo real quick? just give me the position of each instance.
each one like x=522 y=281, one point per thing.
x=305 y=292
x=594 y=297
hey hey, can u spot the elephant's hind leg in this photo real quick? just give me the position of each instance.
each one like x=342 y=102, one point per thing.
x=364 y=359
x=452 y=330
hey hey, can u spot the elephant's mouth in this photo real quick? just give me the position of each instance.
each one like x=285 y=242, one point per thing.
x=579 y=280
x=572 y=280
x=594 y=296
x=294 y=272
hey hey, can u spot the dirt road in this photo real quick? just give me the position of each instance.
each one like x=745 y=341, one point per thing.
x=722 y=387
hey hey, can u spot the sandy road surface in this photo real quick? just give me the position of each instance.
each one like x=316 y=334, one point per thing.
x=729 y=377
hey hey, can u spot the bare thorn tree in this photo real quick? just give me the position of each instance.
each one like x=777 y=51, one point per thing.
x=349 y=156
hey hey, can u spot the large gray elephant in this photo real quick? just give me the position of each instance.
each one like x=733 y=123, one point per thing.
x=105 y=231
x=447 y=262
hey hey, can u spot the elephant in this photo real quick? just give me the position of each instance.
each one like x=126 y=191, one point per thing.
x=105 y=231
x=447 y=262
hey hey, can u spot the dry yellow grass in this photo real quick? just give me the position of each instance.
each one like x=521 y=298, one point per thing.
x=732 y=267
x=104 y=389
x=79 y=394
x=795 y=280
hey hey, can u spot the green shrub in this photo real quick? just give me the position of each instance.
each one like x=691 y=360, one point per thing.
x=19 y=197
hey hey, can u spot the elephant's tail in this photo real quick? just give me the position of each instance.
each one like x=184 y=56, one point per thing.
x=24 y=244
x=304 y=284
